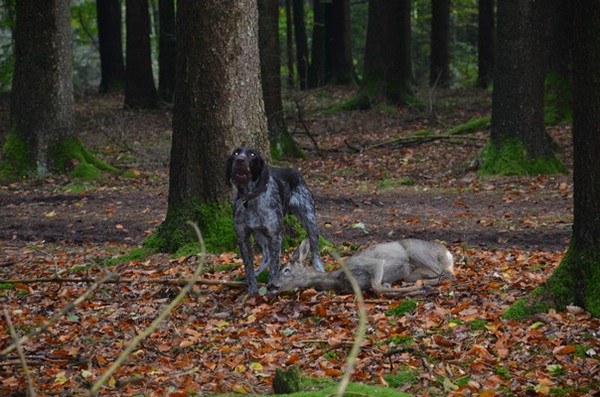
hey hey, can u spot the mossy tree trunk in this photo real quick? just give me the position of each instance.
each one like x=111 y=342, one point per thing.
x=577 y=279
x=42 y=90
x=518 y=142
x=218 y=106
x=387 y=71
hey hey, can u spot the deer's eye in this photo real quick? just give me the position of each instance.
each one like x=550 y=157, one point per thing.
x=286 y=271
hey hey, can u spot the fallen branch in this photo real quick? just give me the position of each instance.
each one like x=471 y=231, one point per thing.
x=116 y=280
x=407 y=141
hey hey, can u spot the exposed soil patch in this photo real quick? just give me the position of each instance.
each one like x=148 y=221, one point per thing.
x=427 y=190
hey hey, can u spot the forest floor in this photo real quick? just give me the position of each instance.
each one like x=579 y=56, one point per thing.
x=370 y=185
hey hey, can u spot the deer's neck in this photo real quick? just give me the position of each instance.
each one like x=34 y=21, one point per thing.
x=335 y=280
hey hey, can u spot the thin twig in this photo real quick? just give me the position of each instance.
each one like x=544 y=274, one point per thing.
x=19 y=348
x=360 y=332
x=145 y=333
x=67 y=308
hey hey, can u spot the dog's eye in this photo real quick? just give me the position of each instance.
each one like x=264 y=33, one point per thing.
x=252 y=154
x=236 y=153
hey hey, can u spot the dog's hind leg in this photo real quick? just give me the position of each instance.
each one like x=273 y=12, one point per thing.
x=303 y=208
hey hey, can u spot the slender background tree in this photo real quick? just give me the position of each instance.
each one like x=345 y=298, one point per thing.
x=439 y=68
x=110 y=43
x=140 y=91
x=388 y=67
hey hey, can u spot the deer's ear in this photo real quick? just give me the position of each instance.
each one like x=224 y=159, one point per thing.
x=300 y=253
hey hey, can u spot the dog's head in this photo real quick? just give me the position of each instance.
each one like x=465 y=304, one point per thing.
x=246 y=169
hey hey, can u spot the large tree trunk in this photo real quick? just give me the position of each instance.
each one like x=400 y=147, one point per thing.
x=485 y=43
x=577 y=278
x=111 y=45
x=140 y=91
x=518 y=141
x=388 y=69
x=218 y=106
x=338 y=65
x=167 y=50
x=42 y=88
x=439 y=67
x=270 y=64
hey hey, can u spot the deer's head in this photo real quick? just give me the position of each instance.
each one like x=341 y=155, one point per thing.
x=294 y=274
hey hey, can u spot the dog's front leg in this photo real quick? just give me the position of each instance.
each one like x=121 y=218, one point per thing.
x=248 y=258
x=275 y=254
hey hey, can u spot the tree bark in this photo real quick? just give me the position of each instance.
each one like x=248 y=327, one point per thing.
x=485 y=43
x=338 y=65
x=439 y=67
x=316 y=70
x=167 y=50
x=302 y=60
x=576 y=281
x=111 y=45
x=289 y=41
x=42 y=88
x=281 y=142
x=218 y=106
x=388 y=69
x=140 y=91
x=518 y=141
x=557 y=59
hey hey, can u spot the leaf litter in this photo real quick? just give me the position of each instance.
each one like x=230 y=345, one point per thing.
x=507 y=235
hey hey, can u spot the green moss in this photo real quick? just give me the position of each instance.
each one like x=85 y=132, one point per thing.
x=402 y=308
x=87 y=167
x=511 y=158
x=558 y=98
x=137 y=254
x=176 y=236
x=473 y=125
x=404 y=376
x=68 y=156
x=576 y=281
x=286 y=147
x=16 y=161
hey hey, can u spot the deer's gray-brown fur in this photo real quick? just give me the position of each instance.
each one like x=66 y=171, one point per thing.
x=375 y=269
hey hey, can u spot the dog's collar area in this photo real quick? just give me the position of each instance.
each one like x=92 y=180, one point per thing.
x=245 y=198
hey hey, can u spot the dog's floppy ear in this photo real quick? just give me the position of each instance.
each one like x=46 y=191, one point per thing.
x=259 y=169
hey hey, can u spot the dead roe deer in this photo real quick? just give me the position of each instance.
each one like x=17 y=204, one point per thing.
x=375 y=269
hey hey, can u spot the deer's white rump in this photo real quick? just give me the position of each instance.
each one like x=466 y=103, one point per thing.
x=375 y=268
